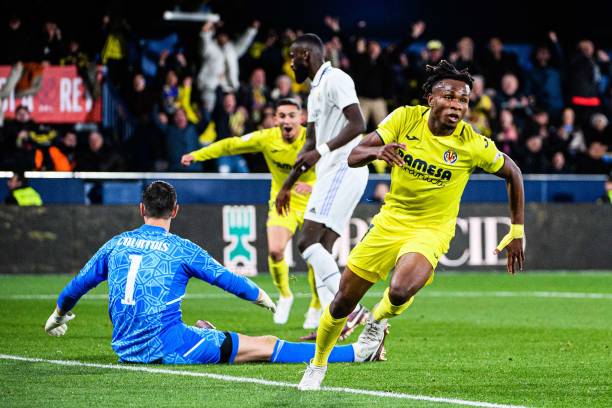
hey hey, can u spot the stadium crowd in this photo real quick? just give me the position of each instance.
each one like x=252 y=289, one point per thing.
x=549 y=108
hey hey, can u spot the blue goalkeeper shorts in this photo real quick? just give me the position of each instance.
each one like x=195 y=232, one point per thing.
x=204 y=346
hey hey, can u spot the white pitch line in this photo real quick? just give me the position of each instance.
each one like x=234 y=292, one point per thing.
x=425 y=293
x=258 y=381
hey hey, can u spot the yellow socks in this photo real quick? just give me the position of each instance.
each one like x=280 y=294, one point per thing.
x=327 y=336
x=386 y=309
x=280 y=276
x=315 y=303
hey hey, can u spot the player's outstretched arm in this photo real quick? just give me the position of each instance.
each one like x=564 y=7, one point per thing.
x=372 y=148
x=513 y=241
x=251 y=143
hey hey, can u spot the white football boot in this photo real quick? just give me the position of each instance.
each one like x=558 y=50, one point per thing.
x=312 y=318
x=312 y=379
x=282 y=310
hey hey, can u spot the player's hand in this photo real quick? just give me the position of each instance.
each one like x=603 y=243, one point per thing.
x=389 y=154
x=513 y=242
x=187 y=159
x=57 y=325
x=264 y=301
x=303 y=188
x=307 y=160
x=283 y=201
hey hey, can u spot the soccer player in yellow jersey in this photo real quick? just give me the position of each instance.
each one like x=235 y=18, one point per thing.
x=280 y=146
x=433 y=152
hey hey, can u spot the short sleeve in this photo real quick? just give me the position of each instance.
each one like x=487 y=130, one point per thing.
x=342 y=90
x=486 y=155
x=389 y=128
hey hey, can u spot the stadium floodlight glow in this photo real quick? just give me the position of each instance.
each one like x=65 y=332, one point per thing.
x=187 y=16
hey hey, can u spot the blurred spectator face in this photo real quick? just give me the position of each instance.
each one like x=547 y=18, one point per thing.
x=73 y=46
x=180 y=119
x=495 y=45
x=96 y=141
x=50 y=27
x=478 y=85
x=374 y=49
x=222 y=39
x=14 y=23
x=258 y=78
x=268 y=118
x=509 y=84
x=288 y=118
x=534 y=144
x=229 y=103
x=22 y=114
x=558 y=161
x=283 y=83
x=336 y=43
x=139 y=83
x=70 y=139
x=506 y=119
x=568 y=116
x=435 y=50
x=171 y=78
x=599 y=121
x=597 y=150
x=465 y=47
x=543 y=56
x=586 y=47
x=541 y=118
x=14 y=182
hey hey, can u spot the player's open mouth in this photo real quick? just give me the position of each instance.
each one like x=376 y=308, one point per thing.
x=287 y=129
x=453 y=117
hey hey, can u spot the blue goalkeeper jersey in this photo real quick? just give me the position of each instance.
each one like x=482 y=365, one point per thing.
x=147 y=271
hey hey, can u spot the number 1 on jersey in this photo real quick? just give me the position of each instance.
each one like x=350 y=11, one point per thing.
x=128 y=299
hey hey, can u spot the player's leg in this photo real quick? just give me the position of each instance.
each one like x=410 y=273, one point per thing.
x=323 y=263
x=278 y=237
x=274 y=350
x=313 y=314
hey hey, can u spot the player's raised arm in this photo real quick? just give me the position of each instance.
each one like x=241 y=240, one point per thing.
x=249 y=143
x=513 y=241
x=372 y=148
x=94 y=272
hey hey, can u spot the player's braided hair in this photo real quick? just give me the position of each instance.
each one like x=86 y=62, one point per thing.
x=445 y=70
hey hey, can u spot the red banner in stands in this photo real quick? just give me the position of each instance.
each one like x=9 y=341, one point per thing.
x=62 y=98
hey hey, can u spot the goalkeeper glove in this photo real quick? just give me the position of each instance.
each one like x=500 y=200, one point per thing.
x=57 y=325
x=264 y=301
x=516 y=232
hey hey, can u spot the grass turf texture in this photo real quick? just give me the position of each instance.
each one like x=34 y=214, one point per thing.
x=523 y=350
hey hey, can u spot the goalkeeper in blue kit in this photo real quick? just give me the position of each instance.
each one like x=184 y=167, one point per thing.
x=147 y=271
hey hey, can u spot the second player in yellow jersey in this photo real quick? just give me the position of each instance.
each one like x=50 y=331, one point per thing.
x=280 y=146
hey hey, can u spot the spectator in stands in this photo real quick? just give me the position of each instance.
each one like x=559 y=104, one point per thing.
x=68 y=147
x=599 y=129
x=585 y=74
x=180 y=137
x=116 y=32
x=544 y=80
x=511 y=97
x=507 y=137
x=229 y=121
x=463 y=57
x=267 y=121
x=20 y=193
x=16 y=149
x=496 y=63
x=533 y=158
x=51 y=46
x=594 y=160
x=282 y=89
x=559 y=164
x=482 y=109
x=569 y=136
x=170 y=93
x=539 y=124
x=255 y=96
x=47 y=154
x=86 y=68
x=220 y=61
x=98 y=156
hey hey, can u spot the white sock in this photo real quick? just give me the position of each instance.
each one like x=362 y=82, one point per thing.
x=326 y=270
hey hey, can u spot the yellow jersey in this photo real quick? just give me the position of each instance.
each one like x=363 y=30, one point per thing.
x=278 y=154
x=426 y=191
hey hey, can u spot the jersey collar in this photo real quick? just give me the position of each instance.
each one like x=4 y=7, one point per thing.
x=153 y=228
x=322 y=70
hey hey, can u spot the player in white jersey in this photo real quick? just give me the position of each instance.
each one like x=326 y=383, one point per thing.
x=334 y=128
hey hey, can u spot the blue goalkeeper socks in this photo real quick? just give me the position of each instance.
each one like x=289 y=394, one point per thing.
x=287 y=352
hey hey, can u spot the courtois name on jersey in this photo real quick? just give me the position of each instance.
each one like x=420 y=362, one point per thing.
x=147 y=271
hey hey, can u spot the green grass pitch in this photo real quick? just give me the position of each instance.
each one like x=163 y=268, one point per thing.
x=536 y=339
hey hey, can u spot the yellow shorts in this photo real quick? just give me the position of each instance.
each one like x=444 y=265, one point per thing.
x=377 y=253
x=291 y=221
